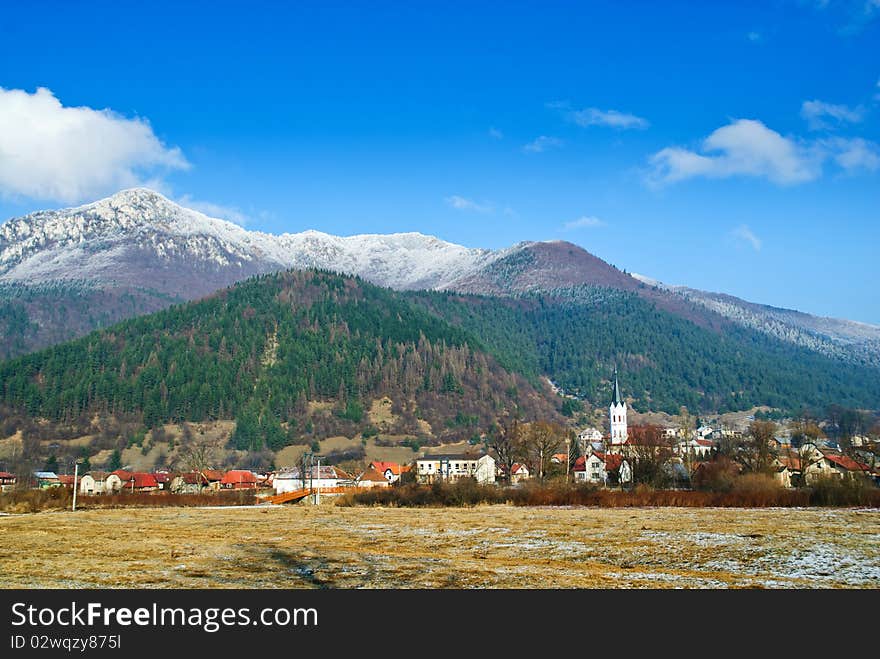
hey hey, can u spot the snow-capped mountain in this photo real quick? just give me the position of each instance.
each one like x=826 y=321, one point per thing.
x=65 y=272
x=845 y=339
x=135 y=235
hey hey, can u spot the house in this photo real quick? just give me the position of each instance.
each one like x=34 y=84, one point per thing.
x=597 y=467
x=46 y=479
x=115 y=480
x=163 y=479
x=372 y=478
x=559 y=458
x=93 y=482
x=66 y=480
x=138 y=481
x=7 y=481
x=239 y=479
x=696 y=448
x=452 y=467
x=192 y=482
x=289 y=480
x=829 y=463
x=703 y=432
x=391 y=470
x=589 y=435
x=519 y=472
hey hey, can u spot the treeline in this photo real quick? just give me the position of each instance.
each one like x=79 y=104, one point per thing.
x=577 y=337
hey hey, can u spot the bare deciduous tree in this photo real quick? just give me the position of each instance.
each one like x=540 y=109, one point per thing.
x=542 y=440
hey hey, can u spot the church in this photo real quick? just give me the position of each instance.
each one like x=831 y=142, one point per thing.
x=617 y=415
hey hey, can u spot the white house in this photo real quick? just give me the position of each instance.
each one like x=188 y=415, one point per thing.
x=93 y=482
x=452 y=467
x=590 y=435
x=596 y=467
x=519 y=472
x=289 y=480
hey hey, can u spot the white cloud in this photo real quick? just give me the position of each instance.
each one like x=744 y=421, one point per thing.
x=745 y=147
x=754 y=36
x=462 y=204
x=745 y=235
x=612 y=118
x=496 y=134
x=71 y=154
x=230 y=213
x=542 y=143
x=585 y=222
x=817 y=112
x=854 y=154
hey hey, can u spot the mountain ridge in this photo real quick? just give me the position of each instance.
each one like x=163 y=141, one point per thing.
x=145 y=248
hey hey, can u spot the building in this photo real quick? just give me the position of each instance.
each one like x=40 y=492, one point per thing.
x=391 y=470
x=590 y=435
x=239 y=479
x=7 y=481
x=617 y=415
x=46 y=479
x=372 y=478
x=519 y=472
x=453 y=467
x=597 y=467
x=290 y=480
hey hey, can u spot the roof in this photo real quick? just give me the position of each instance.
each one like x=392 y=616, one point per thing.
x=611 y=460
x=517 y=468
x=371 y=475
x=65 y=479
x=162 y=476
x=382 y=467
x=846 y=462
x=705 y=442
x=616 y=399
x=142 y=479
x=122 y=474
x=560 y=457
x=212 y=474
x=238 y=476
x=6 y=474
x=45 y=474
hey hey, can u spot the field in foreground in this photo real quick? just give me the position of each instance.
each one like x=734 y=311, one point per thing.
x=482 y=547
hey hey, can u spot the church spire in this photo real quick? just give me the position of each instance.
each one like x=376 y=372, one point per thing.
x=616 y=399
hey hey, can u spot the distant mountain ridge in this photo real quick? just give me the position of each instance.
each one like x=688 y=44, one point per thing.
x=137 y=251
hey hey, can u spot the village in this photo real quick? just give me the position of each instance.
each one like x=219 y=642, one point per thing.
x=679 y=457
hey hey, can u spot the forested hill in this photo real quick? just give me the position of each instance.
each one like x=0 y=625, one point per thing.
x=261 y=351
x=577 y=335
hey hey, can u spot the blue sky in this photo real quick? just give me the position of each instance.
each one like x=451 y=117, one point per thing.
x=727 y=146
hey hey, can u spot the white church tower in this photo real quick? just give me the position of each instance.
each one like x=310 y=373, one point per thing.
x=617 y=414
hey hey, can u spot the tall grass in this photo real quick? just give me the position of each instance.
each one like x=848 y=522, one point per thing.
x=61 y=498
x=746 y=492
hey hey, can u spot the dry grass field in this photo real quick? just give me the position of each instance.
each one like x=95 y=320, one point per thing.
x=484 y=547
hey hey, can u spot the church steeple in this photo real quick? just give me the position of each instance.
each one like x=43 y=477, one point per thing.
x=616 y=399
x=617 y=414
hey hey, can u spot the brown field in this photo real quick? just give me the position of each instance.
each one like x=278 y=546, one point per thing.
x=328 y=546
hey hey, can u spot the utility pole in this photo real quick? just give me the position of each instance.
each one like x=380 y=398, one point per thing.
x=75 y=474
x=318 y=491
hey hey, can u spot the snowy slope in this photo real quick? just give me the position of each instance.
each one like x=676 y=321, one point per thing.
x=119 y=238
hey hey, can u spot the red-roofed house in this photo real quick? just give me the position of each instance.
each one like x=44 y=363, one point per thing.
x=239 y=479
x=372 y=478
x=597 y=467
x=390 y=470
x=7 y=481
x=519 y=472
x=66 y=480
x=827 y=463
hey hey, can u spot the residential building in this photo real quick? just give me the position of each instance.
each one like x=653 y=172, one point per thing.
x=453 y=467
